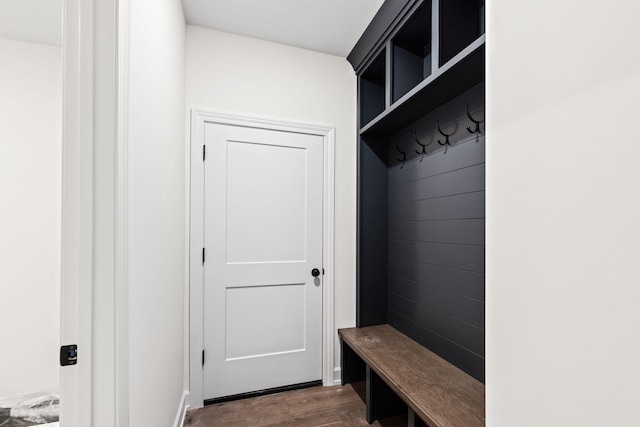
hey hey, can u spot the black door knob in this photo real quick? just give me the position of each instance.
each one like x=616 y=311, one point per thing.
x=315 y=272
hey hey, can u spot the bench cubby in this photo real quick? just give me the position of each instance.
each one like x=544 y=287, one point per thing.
x=401 y=375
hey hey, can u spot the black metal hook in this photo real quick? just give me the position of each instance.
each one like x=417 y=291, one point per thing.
x=404 y=156
x=476 y=122
x=446 y=141
x=423 y=147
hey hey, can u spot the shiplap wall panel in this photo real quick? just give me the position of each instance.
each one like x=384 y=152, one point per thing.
x=460 y=181
x=436 y=237
x=464 y=283
x=462 y=231
x=468 y=361
x=462 y=257
x=458 y=206
x=372 y=267
x=467 y=309
x=464 y=334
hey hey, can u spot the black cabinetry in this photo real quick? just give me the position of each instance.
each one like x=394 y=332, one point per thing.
x=420 y=68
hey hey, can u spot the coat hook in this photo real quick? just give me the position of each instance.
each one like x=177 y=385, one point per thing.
x=404 y=156
x=477 y=123
x=446 y=141
x=423 y=147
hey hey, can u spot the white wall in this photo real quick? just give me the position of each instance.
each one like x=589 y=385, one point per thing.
x=242 y=76
x=156 y=211
x=30 y=174
x=563 y=213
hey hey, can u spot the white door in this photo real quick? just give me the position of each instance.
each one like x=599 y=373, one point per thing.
x=263 y=238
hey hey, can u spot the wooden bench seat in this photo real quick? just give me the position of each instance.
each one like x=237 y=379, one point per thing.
x=433 y=389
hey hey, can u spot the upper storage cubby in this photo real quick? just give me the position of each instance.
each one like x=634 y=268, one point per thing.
x=435 y=51
x=412 y=52
x=461 y=22
x=372 y=89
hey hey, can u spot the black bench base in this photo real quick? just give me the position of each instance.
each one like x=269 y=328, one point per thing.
x=381 y=401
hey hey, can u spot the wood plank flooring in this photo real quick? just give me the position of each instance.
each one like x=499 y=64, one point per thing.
x=312 y=407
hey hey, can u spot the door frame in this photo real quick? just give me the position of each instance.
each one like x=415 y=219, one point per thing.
x=76 y=260
x=199 y=119
x=92 y=185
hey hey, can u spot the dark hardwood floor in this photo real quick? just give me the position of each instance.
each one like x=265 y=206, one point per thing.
x=311 y=407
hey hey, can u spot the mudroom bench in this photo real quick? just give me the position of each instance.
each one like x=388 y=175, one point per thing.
x=401 y=375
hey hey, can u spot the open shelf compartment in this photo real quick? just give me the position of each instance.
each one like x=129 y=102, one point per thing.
x=372 y=89
x=461 y=73
x=461 y=22
x=412 y=52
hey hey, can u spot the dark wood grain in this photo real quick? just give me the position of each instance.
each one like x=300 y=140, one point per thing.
x=439 y=393
x=311 y=407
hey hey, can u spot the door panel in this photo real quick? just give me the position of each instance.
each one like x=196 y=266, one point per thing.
x=273 y=309
x=263 y=236
x=266 y=202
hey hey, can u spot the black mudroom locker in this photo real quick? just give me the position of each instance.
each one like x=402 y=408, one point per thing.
x=421 y=176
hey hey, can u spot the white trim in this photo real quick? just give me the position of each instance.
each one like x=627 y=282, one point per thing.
x=196 y=312
x=122 y=220
x=328 y=248
x=196 y=222
x=76 y=288
x=182 y=410
x=337 y=375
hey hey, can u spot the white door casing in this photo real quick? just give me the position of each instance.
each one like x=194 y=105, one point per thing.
x=88 y=247
x=252 y=271
x=77 y=217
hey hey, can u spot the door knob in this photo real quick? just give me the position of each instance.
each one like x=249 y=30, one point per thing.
x=315 y=272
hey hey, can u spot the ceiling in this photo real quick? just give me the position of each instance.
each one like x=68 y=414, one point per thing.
x=37 y=21
x=329 y=26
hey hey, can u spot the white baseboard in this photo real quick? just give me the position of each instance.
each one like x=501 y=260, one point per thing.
x=337 y=376
x=182 y=410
